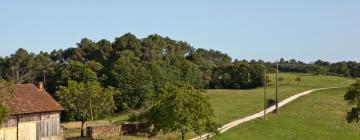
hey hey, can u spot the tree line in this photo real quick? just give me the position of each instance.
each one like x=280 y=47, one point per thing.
x=320 y=67
x=135 y=69
x=138 y=68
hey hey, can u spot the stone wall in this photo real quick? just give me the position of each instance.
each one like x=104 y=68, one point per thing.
x=115 y=130
x=103 y=131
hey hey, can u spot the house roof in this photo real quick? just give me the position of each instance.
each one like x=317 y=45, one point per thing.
x=28 y=99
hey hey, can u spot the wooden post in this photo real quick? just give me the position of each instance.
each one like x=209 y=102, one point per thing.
x=276 y=94
x=265 y=84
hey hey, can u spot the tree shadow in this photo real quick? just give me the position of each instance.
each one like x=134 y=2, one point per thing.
x=305 y=74
x=79 y=138
x=270 y=102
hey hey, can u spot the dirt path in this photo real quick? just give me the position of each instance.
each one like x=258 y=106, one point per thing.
x=257 y=115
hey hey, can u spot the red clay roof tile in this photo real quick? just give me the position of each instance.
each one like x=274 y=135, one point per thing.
x=27 y=98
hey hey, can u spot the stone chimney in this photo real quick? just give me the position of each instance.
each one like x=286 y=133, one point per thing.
x=40 y=85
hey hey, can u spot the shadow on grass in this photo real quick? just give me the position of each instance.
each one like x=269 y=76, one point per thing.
x=79 y=138
x=270 y=102
x=306 y=74
x=124 y=137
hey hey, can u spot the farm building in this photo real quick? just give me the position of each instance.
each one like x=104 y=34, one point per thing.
x=34 y=115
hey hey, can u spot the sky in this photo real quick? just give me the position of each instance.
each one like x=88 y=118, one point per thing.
x=306 y=30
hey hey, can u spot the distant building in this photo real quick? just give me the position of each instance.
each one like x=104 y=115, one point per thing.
x=34 y=115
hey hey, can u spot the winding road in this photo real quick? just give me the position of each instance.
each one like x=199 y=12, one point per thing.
x=259 y=114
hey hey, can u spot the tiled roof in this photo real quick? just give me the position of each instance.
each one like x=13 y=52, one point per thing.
x=28 y=98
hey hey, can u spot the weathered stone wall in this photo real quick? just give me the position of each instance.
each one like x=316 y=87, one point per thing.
x=114 y=130
x=103 y=131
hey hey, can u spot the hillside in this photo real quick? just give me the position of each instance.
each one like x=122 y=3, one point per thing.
x=320 y=115
x=233 y=104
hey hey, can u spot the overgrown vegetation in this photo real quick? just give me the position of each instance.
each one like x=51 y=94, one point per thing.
x=6 y=88
x=352 y=96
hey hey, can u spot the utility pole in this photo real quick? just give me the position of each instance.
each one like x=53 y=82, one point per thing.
x=265 y=84
x=277 y=87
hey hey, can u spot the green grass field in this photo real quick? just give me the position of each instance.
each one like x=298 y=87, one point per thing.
x=230 y=105
x=320 y=115
x=233 y=104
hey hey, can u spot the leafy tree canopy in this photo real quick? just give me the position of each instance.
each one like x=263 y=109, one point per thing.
x=84 y=101
x=180 y=108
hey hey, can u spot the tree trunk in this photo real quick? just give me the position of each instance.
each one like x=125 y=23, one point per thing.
x=183 y=134
x=82 y=128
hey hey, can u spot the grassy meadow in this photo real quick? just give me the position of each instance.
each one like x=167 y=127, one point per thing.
x=233 y=104
x=230 y=104
x=320 y=115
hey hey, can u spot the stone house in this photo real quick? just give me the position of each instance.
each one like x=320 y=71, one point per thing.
x=34 y=115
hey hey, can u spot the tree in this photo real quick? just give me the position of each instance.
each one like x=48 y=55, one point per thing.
x=133 y=80
x=298 y=80
x=280 y=79
x=152 y=48
x=86 y=100
x=352 y=96
x=73 y=54
x=45 y=67
x=268 y=81
x=238 y=75
x=180 y=108
x=104 y=51
x=79 y=72
x=322 y=63
x=207 y=60
x=3 y=67
x=340 y=68
x=185 y=71
x=321 y=70
x=6 y=88
x=20 y=67
x=354 y=68
x=344 y=70
x=126 y=42
x=89 y=49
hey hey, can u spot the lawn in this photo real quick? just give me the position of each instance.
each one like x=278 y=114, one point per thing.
x=320 y=115
x=233 y=104
x=229 y=105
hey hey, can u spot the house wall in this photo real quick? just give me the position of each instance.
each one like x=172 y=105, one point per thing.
x=8 y=133
x=50 y=126
x=32 y=127
x=27 y=131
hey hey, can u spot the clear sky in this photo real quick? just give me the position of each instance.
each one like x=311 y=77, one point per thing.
x=254 y=29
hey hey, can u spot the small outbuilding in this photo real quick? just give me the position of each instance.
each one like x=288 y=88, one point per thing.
x=34 y=115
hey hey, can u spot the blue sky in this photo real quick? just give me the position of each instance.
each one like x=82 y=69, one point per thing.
x=255 y=29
